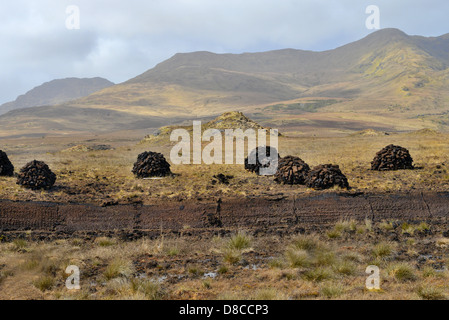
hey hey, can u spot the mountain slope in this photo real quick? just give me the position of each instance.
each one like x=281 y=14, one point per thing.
x=386 y=81
x=57 y=92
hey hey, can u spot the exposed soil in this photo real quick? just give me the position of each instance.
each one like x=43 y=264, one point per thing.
x=262 y=215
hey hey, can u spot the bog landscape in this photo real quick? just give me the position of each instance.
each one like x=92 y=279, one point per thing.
x=87 y=179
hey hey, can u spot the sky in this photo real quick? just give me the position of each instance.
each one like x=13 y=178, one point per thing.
x=118 y=40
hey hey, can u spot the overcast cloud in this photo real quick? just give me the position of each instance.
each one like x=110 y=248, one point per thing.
x=118 y=40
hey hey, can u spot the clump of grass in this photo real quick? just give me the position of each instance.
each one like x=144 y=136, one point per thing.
x=297 y=258
x=118 y=268
x=318 y=274
x=207 y=284
x=430 y=293
x=346 y=226
x=173 y=251
x=105 y=242
x=402 y=272
x=223 y=269
x=324 y=258
x=307 y=243
x=334 y=234
x=239 y=241
x=387 y=226
x=277 y=263
x=151 y=290
x=44 y=283
x=429 y=272
x=331 y=290
x=345 y=267
x=382 y=250
x=195 y=271
x=31 y=264
x=232 y=256
x=20 y=244
x=423 y=227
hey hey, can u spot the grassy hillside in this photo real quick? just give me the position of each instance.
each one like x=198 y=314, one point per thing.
x=386 y=81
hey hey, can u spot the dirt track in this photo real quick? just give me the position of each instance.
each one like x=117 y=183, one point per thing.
x=258 y=214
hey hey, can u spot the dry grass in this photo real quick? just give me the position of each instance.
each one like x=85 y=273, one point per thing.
x=94 y=175
x=238 y=266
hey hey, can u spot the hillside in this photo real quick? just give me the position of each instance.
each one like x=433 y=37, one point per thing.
x=387 y=81
x=56 y=92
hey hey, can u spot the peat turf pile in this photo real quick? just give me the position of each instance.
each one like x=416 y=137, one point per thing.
x=326 y=176
x=292 y=170
x=6 y=167
x=392 y=158
x=151 y=164
x=36 y=175
x=254 y=163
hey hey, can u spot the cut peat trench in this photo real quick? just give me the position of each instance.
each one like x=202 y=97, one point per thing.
x=261 y=214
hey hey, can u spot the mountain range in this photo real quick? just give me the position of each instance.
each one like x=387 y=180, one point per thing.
x=388 y=80
x=56 y=92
